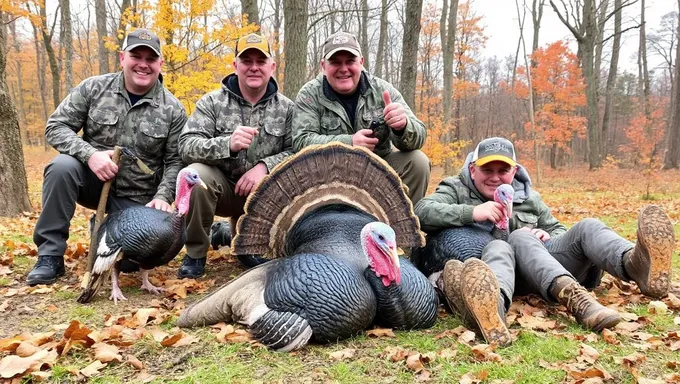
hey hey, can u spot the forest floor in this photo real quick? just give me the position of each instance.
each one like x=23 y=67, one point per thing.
x=46 y=336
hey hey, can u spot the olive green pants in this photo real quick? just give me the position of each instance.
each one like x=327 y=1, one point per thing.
x=218 y=199
x=413 y=167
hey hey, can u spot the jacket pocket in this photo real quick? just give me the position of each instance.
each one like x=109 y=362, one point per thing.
x=275 y=129
x=103 y=127
x=151 y=138
x=331 y=125
x=526 y=219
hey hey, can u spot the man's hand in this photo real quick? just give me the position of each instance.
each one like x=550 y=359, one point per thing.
x=160 y=205
x=491 y=210
x=250 y=179
x=241 y=138
x=538 y=232
x=364 y=138
x=101 y=164
x=395 y=113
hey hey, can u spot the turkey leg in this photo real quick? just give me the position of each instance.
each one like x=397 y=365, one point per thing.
x=146 y=284
x=116 y=293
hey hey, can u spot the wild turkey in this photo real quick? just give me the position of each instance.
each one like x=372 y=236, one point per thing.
x=462 y=243
x=146 y=236
x=323 y=217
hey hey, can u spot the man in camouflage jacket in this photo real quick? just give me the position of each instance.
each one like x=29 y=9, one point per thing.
x=347 y=104
x=236 y=135
x=130 y=108
x=549 y=259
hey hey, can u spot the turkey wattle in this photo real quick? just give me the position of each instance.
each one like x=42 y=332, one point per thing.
x=146 y=236
x=322 y=213
x=461 y=243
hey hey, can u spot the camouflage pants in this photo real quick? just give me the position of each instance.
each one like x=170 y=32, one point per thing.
x=218 y=199
x=583 y=252
x=67 y=181
x=413 y=167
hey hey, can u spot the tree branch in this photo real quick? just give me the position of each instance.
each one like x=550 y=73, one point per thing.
x=620 y=33
x=618 y=9
x=573 y=30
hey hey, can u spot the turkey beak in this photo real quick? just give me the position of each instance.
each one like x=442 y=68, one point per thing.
x=203 y=185
x=391 y=252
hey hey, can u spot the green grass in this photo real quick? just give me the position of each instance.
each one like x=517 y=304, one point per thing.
x=82 y=313
x=66 y=295
x=23 y=262
x=5 y=282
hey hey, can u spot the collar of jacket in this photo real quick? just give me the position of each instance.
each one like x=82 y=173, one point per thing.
x=230 y=84
x=363 y=88
x=153 y=96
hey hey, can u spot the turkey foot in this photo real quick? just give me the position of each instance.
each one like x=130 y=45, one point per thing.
x=146 y=284
x=116 y=293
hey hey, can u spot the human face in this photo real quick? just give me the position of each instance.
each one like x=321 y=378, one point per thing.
x=490 y=175
x=253 y=70
x=343 y=71
x=141 y=68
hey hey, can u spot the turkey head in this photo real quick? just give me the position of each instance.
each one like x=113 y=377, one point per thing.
x=504 y=195
x=380 y=246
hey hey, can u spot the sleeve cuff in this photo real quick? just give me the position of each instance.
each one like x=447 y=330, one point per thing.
x=85 y=154
x=466 y=216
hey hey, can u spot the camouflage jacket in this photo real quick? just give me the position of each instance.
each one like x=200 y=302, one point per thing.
x=205 y=138
x=455 y=197
x=100 y=106
x=320 y=118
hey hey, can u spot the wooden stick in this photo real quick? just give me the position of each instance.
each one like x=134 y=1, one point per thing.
x=101 y=209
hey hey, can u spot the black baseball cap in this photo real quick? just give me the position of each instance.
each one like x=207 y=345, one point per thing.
x=142 y=37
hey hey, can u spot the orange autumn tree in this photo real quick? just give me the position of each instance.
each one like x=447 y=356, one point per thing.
x=559 y=91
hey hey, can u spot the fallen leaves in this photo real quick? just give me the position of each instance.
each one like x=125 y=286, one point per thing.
x=380 y=332
x=343 y=354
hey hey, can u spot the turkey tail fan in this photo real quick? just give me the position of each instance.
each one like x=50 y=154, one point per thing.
x=320 y=175
x=101 y=270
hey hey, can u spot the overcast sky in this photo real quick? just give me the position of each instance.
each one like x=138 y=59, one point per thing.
x=500 y=18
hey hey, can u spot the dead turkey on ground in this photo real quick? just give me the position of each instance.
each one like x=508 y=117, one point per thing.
x=331 y=218
x=143 y=235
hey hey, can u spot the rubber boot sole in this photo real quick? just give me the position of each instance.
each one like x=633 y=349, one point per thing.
x=656 y=236
x=480 y=291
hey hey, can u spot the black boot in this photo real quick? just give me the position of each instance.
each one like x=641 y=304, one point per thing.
x=46 y=270
x=191 y=268
x=250 y=261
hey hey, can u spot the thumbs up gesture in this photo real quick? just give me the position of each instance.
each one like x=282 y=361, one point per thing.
x=394 y=113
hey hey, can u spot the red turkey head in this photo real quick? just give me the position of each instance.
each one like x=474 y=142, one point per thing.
x=504 y=194
x=187 y=179
x=380 y=246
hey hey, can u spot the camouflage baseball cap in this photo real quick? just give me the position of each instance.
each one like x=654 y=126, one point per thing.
x=253 y=41
x=142 y=37
x=341 y=41
x=494 y=149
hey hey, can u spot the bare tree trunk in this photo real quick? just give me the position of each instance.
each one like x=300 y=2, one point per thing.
x=364 y=33
x=643 y=73
x=120 y=34
x=20 y=93
x=672 y=158
x=102 y=34
x=409 y=50
x=448 y=45
x=601 y=19
x=40 y=63
x=51 y=56
x=277 y=38
x=379 y=57
x=13 y=183
x=68 y=43
x=611 y=78
x=249 y=9
x=295 y=24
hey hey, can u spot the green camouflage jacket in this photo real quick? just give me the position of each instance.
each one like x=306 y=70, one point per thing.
x=455 y=197
x=319 y=119
x=205 y=138
x=100 y=106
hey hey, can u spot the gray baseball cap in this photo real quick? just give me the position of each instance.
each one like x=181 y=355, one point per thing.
x=142 y=37
x=341 y=41
x=494 y=149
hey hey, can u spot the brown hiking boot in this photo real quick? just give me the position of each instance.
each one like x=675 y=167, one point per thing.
x=649 y=263
x=472 y=290
x=585 y=308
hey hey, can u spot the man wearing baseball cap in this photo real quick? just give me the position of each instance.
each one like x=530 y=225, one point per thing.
x=130 y=108
x=234 y=137
x=547 y=258
x=347 y=104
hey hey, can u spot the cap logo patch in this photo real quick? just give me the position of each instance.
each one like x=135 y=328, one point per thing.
x=496 y=147
x=144 y=36
x=253 y=39
x=340 y=39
